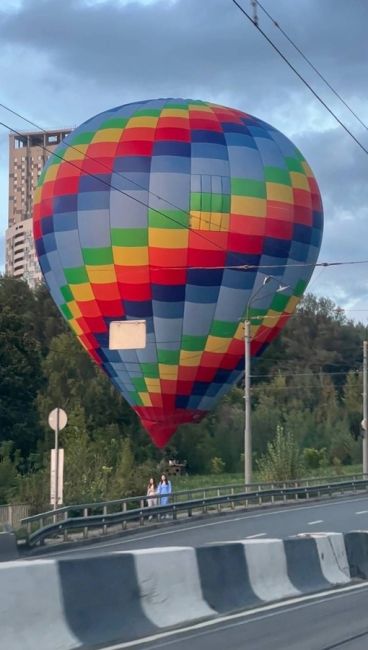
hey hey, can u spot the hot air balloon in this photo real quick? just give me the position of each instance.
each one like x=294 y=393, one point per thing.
x=173 y=211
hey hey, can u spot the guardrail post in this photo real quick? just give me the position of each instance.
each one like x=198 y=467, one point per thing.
x=190 y=498
x=232 y=503
x=10 y=515
x=104 y=528
x=307 y=490
x=65 y=529
x=273 y=496
x=285 y=495
x=296 y=494
x=124 y=524
x=85 y=529
x=260 y=495
x=174 y=513
x=141 y=517
x=219 y=504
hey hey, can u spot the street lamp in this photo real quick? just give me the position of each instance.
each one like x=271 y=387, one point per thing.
x=247 y=393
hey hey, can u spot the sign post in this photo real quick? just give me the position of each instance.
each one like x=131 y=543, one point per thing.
x=57 y=422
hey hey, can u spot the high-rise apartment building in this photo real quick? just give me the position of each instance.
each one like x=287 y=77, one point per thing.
x=28 y=153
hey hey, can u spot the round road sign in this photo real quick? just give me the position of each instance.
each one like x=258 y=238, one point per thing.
x=53 y=419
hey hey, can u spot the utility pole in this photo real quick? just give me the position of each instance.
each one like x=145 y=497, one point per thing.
x=255 y=13
x=247 y=402
x=365 y=407
x=248 y=471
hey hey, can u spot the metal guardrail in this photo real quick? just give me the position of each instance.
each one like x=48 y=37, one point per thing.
x=64 y=520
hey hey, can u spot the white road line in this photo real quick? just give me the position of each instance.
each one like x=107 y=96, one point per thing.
x=266 y=611
x=362 y=512
x=257 y=535
x=313 y=523
x=221 y=522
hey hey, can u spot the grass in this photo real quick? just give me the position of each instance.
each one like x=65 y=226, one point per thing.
x=191 y=482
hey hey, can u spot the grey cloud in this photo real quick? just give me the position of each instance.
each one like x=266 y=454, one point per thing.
x=340 y=167
x=189 y=46
x=87 y=58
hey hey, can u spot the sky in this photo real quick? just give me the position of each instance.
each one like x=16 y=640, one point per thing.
x=63 y=62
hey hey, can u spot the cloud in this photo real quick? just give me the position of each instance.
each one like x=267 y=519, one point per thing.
x=187 y=47
x=93 y=54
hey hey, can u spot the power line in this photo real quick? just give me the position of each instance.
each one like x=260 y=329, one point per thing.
x=242 y=267
x=315 y=373
x=104 y=166
x=184 y=212
x=305 y=82
x=133 y=198
x=314 y=68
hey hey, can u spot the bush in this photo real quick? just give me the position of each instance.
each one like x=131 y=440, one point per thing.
x=283 y=460
x=311 y=457
x=314 y=458
x=217 y=465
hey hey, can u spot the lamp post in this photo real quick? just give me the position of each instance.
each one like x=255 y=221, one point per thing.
x=247 y=386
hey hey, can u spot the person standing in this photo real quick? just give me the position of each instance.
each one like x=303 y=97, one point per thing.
x=164 y=490
x=151 y=493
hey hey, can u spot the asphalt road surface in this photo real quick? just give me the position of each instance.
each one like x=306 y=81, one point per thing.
x=336 y=621
x=338 y=515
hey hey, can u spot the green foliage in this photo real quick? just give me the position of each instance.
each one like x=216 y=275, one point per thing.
x=20 y=371
x=314 y=458
x=217 y=465
x=9 y=479
x=283 y=460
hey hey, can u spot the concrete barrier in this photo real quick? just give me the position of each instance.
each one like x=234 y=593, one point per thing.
x=32 y=611
x=102 y=601
x=333 y=557
x=356 y=544
x=8 y=547
x=266 y=560
x=170 y=587
x=224 y=576
x=73 y=603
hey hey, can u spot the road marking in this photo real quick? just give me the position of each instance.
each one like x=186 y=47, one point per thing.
x=257 y=535
x=267 y=611
x=362 y=512
x=313 y=523
x=221 y=522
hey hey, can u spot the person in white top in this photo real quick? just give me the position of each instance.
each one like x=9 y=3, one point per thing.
x=151 y=493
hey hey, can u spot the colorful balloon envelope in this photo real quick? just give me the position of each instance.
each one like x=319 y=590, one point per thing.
x=174 y=212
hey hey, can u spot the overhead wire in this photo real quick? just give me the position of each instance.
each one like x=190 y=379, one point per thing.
x=300 y=76
x=134 y=198
x=309 y=62
x=242 y=267
x=186 y=213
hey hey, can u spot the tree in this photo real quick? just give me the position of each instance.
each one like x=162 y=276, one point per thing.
x=20 y=379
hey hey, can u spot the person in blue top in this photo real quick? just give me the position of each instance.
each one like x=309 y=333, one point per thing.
x=164 y=490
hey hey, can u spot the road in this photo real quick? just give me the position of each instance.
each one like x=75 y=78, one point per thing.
x=323 y=622
x=338 y=515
